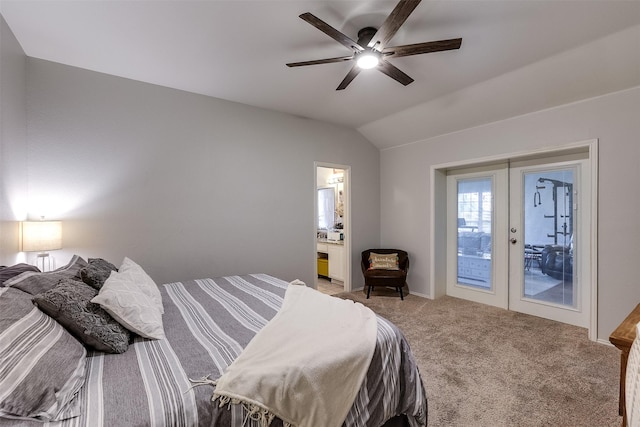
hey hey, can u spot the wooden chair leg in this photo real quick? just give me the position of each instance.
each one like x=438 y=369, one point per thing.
x=401 y=295
x=369 y=291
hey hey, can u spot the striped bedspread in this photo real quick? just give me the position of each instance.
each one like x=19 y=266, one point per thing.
x=207 y=324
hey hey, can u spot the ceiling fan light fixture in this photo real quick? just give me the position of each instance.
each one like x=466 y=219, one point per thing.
x=368 y=60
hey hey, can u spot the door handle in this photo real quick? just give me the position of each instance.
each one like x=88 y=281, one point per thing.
x=513 y=240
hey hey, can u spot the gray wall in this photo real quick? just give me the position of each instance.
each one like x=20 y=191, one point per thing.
x=612 y=119
x=13 y=148
x=188 y=186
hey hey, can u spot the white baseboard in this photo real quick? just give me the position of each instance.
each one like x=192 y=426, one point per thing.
x=605 y=342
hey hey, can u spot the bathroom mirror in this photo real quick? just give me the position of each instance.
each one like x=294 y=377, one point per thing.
x=326 y=208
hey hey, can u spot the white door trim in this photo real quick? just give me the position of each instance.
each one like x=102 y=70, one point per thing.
x=437 y=235
x=347 y=221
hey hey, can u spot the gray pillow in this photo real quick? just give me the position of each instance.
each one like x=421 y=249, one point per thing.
x=7 y=273
x=70 y=304
x=36 y=283
x=42 y=365
x=97 y=272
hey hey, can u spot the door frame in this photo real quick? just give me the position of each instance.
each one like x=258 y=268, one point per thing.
x=438 y=212
x=347 y=221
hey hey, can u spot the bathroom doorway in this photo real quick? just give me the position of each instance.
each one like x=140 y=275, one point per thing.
x=332 y=261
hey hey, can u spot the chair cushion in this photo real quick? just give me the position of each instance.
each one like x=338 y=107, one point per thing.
x=385 y=278
x=385 y=274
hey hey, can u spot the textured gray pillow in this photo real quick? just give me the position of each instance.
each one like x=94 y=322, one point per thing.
x=70 y=304
x=97 y=272
x=36 y=283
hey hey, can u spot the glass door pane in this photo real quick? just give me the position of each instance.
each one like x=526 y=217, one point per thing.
x=475 y=216
x=548 y=236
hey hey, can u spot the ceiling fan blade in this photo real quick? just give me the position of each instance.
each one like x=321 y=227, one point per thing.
x=331 y=32
x=393 y=22
x=395 y=73
x=320 y=61
x=355 y=70
x=418 y=48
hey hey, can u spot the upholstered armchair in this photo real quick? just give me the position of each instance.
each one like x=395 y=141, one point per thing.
x=388 y=277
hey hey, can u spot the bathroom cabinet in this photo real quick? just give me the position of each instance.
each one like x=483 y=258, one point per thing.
x=336 y=259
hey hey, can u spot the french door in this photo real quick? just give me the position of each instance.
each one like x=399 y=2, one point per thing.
x=518 y=237
x=549 y=240
x=477 y=267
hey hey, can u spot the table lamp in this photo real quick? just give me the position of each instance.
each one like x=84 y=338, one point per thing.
x=41 y=236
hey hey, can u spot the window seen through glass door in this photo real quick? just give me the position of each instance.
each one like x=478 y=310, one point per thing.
x=475 y=216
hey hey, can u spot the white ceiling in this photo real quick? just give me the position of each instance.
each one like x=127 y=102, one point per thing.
x=237 y=50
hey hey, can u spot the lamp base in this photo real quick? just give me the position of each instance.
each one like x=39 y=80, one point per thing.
x=46 y=259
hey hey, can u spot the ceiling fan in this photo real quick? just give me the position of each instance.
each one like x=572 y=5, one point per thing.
x=371 y=51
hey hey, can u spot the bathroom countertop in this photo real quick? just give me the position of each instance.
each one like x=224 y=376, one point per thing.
x=331 y=242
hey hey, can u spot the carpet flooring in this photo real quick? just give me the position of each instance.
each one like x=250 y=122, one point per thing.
x=484 y=366
x=326 y=287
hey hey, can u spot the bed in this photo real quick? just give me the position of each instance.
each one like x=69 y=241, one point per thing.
x=207 y=324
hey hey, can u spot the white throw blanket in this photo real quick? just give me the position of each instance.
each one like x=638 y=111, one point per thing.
x=307 y=364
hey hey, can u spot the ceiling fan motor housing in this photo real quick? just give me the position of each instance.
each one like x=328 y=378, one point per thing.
x=365 y=35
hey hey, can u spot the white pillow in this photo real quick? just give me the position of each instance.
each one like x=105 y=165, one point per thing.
x=144 y=282
x=123 y=298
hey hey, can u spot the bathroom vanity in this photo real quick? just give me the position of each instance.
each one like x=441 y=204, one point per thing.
x=331 y=259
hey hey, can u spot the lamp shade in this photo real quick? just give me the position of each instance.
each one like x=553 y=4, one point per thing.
x=40 y=236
